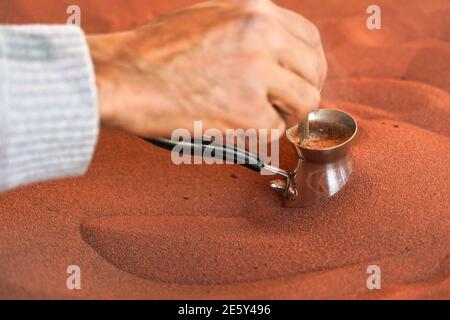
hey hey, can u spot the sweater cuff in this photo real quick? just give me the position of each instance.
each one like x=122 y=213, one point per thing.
x=49 y=119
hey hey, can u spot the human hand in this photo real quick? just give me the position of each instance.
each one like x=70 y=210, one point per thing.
x=230 y=63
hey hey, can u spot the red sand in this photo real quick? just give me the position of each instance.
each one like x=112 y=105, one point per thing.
x=140 y=227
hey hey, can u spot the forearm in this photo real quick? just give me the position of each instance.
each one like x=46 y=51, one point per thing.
x=103 y=53
x=48 y=104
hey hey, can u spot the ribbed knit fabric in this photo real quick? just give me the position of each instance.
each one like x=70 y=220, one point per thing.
x=48 y=104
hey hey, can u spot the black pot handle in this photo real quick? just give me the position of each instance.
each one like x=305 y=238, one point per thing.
x=223 y=152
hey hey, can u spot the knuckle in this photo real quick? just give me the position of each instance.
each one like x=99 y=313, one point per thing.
x=320 y=71
x=314 y=73
x=265 y=117
x=249 y=95
x=324 y=68
x=255 y=22
x=252 y=67
x=253 y=4
x=252 y=97
x=313 y=98
x=314 y=35
x=271 y=122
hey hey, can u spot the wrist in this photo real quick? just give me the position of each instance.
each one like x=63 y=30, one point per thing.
x=128 y=89
x=104 y=51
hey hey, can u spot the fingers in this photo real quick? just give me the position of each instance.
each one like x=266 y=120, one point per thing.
x=297 y=45
x=293 y=61
x=277 y=121
x=267 y=117
x=297 y=25
x=295 y=96
x=309 y=63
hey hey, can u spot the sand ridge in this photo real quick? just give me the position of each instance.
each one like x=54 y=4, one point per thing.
x=140 y=227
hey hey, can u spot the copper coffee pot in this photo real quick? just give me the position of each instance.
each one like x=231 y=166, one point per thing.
x=320 y=173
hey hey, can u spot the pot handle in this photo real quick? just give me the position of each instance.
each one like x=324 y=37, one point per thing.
x=219 y=151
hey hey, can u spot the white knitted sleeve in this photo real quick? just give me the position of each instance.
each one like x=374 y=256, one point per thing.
x=48 y=104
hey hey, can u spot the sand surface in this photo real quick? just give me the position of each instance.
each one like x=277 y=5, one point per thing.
x=140 y=227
